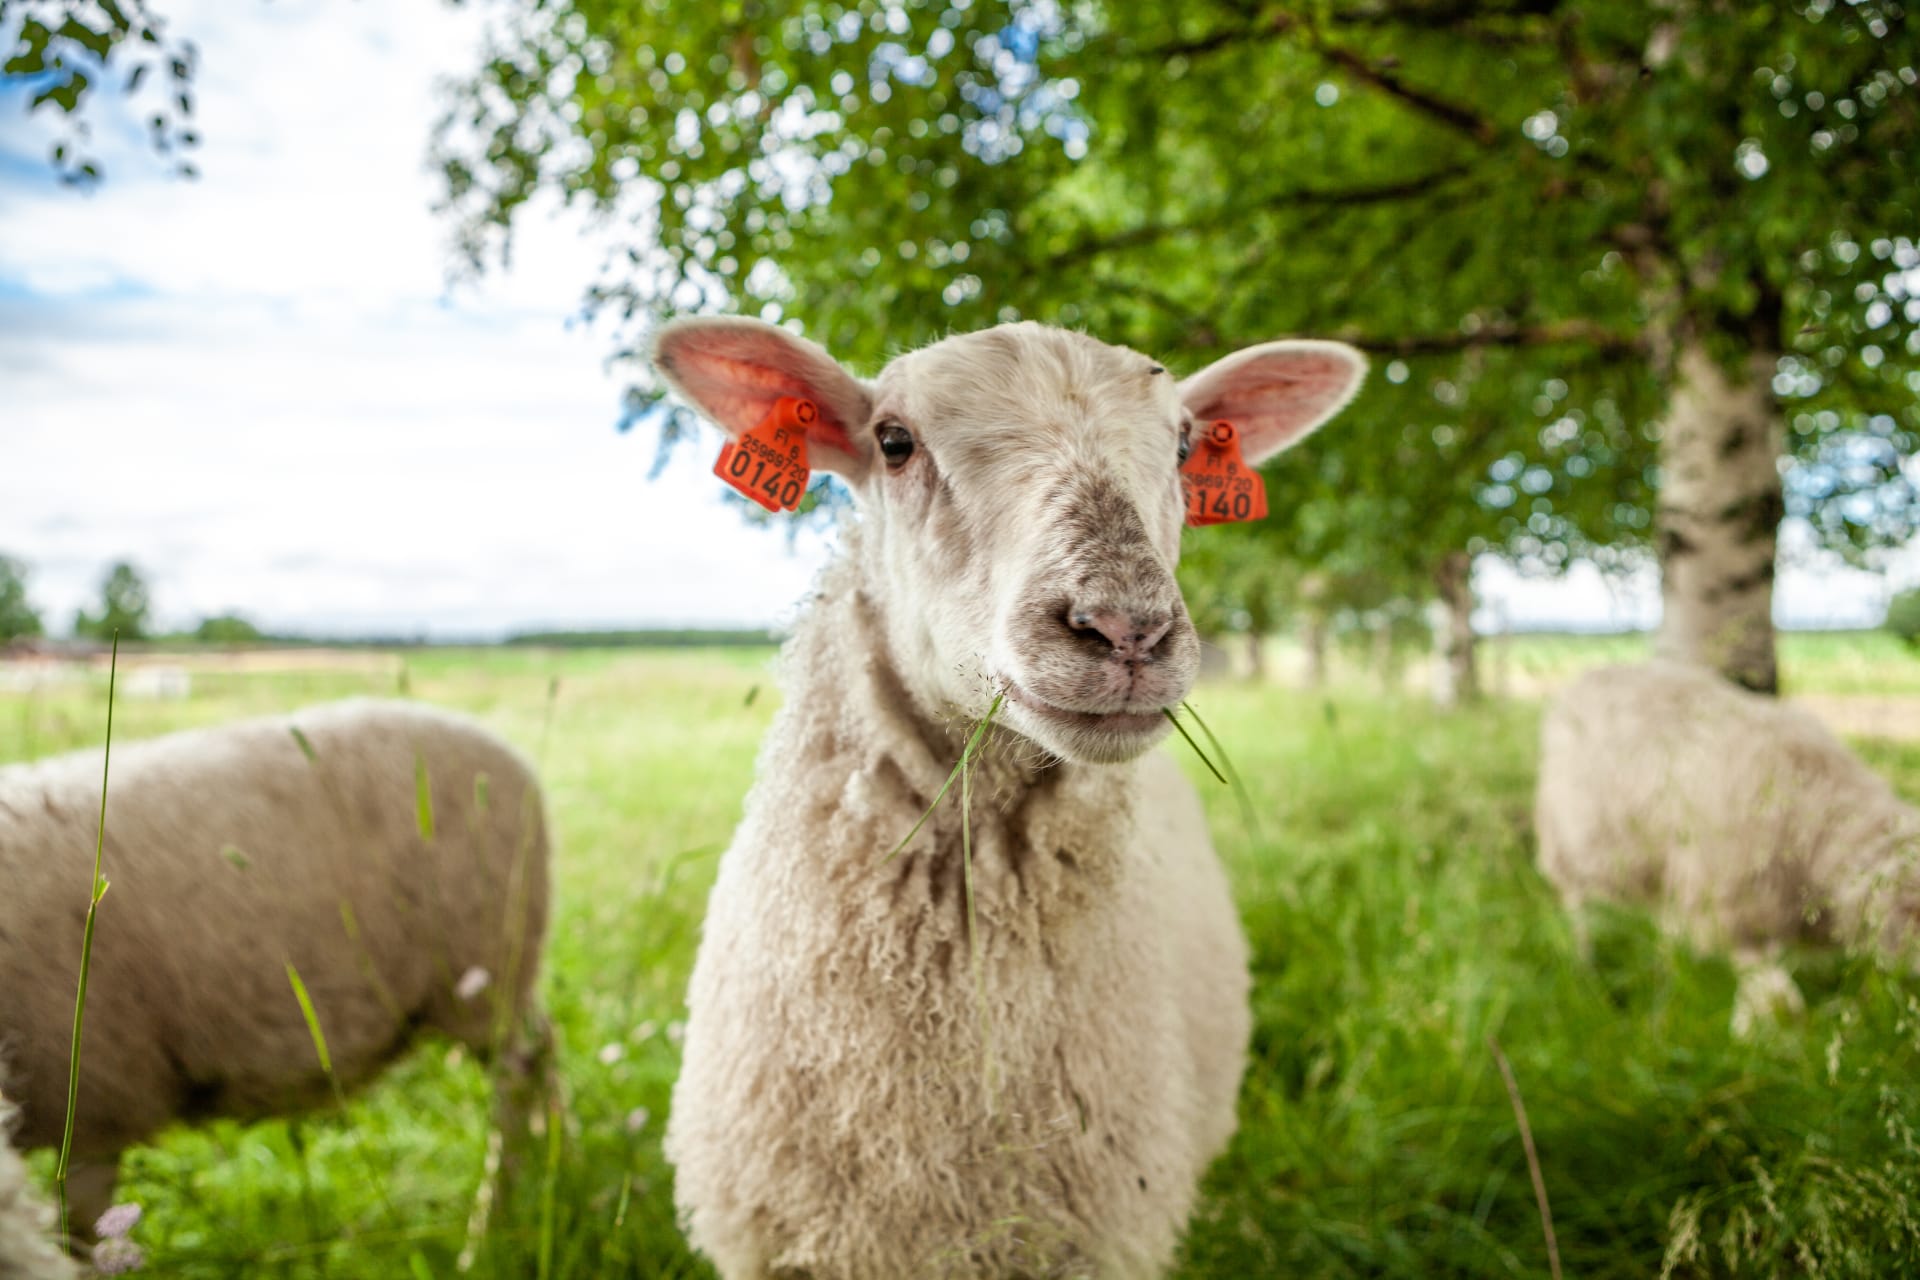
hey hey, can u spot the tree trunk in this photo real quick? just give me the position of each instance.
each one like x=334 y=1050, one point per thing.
x=1256 y=655
x=1384 y=664
x=1315 y=637
x=1719 y=515
x=1502 y=652
x=1457 y=679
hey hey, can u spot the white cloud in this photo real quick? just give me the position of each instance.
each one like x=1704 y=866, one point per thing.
x=253 y=386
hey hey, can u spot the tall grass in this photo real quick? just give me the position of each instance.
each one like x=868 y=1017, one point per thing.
x=96 y=891
x=1395 y=922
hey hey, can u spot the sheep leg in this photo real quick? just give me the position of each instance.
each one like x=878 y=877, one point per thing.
x=90 y=1185
x=1766 y=994
x=527 y=1105
x=528 y=1097
x=1580 y=922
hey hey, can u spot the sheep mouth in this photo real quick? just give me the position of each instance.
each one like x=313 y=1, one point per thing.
x=1127 y=723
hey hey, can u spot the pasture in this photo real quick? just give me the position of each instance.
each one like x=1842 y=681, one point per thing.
x=1397 y=927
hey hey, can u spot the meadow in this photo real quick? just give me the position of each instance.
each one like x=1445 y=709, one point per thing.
x=1398 y=929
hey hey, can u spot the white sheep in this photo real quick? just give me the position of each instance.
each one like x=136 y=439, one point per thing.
x=394 y=857
x=867 y=1090
x=27 y=1248
x=1740 y=819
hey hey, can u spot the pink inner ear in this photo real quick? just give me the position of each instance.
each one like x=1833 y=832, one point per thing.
x=1280 y=395
x=741 y=392
x=1275 y=393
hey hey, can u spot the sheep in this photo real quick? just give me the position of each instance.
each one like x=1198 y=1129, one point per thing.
x=1742 y=820
x=873 y=1086
x=392 y=856
x=27 y=1248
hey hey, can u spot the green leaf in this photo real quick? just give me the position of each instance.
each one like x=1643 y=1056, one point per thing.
x=97 y=43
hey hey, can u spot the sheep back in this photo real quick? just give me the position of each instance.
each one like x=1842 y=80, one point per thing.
x=1741 y=818
x=233 y=853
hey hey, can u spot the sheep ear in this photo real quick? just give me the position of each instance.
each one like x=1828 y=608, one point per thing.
x=1276 y=393
x=734 y=369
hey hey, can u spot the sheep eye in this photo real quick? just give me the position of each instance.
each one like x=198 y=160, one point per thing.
x=1186 y=442
x=896 y=442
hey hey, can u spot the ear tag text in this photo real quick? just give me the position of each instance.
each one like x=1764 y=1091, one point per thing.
x=768 y=462
x=1221 y=488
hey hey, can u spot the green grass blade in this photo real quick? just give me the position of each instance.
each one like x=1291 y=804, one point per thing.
x=1233 y=774
x=546 y=722
x=1175 y=721
x=97 y=891
x=300 y=739
x=966 y=755
x=312 y=1016
x=626 y=1197
x=422 y=796
x=549 y=1194
x=319 y=1037
x=973 y=929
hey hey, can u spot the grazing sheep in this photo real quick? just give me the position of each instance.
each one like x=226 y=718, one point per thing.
x=1741 y=819
x=27 y=1248
x=871 y=1087
x=393 y=856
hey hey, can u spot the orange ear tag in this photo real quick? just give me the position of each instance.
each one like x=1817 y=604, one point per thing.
x=768 y=463
x=1221 y=487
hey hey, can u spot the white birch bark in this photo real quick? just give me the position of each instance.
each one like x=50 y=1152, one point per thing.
x=1719 y=516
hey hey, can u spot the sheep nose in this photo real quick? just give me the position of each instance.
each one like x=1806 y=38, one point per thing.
x=1132 y=635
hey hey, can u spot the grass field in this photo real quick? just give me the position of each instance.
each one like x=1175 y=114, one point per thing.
x=1397 y=925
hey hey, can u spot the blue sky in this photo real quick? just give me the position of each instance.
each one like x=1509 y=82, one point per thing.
x=256 y=387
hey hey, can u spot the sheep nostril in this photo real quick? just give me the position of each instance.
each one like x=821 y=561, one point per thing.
x=1150 y=639
x=1129 y=636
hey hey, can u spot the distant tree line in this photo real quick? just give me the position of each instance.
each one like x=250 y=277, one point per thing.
x=126 y=610
x=665 y=638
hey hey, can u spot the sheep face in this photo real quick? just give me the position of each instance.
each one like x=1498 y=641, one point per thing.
x=1021 y=494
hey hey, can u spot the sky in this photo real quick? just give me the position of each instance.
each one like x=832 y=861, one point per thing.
x=259 y=388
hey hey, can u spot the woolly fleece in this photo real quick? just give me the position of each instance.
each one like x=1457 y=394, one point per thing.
x=855 y=1102
x=1742 y=820
x=27 y=1248
x=231 y=855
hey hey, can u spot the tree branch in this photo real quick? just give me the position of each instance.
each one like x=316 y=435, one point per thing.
x=1464 y=119
x=1560 y=333
x=1214 y=41
x=1450 y=17
x=1455 y=116
x=1345 y=197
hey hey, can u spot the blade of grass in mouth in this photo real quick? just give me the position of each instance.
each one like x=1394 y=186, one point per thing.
x=1233 y=774
x=966 y=758
x=1175 y=720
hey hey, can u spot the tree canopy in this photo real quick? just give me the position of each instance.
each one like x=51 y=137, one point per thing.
x=1518 y=205
x=18 y=617
x=126 y=607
